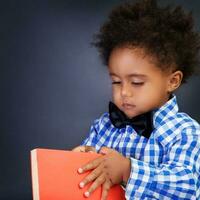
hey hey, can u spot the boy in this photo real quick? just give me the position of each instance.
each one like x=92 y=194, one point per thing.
x=146 y=143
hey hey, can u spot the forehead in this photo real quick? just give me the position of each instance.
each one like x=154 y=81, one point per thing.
x=132 y=62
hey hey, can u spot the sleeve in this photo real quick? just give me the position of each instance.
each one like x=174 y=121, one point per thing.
x=176 y=178
x=91 y=140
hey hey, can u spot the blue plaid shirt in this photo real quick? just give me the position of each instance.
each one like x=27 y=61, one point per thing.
x=165 y=166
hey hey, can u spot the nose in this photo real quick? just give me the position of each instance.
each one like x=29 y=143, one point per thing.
x=126 y=90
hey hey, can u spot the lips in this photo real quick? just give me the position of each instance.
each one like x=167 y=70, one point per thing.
x=127 y=106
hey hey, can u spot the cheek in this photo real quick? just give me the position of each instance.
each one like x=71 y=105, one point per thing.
x=152 y=95
x=116 y=93
x=147 y=93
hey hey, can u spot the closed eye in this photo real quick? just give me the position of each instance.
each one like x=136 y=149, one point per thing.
x=116 y=82
x=138 y=83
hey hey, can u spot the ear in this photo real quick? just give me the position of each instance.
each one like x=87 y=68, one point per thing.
x=174 y=81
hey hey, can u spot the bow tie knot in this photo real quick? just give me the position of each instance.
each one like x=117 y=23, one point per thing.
x=141 y=123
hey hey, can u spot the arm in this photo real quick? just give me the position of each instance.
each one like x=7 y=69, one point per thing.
x=91 y=139
x=175 y=178
x=99 y=132
x=88 y=145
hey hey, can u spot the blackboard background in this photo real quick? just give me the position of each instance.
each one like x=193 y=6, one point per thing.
x=52 y=82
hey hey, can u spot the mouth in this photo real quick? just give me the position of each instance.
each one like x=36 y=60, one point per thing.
x=127 y=106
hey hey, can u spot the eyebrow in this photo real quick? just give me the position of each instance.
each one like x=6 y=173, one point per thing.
x=131 y=75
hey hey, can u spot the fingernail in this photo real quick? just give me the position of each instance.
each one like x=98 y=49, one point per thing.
x=81 y=184
x=87 y=194
x=80 y=170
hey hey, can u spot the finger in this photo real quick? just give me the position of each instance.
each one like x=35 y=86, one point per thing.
x=90 y=165
x=98 y=182
x=105 y=150
x=92 y=176
x=79 y=149
x=90 y=149
x=105 y=190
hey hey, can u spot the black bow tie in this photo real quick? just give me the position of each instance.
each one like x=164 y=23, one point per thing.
x=141 y=123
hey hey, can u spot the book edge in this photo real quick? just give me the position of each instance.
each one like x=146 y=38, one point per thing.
x=35 y=178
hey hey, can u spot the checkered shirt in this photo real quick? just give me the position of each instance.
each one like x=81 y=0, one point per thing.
x=165 y=166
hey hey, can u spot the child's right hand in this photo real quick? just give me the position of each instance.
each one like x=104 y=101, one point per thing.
x=84 y=149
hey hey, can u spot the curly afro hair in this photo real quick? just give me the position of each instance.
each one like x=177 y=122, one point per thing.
x=165 y=33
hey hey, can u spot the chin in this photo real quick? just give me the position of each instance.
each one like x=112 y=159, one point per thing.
x=130 y=115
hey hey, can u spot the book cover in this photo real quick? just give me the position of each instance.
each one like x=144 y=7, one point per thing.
x=55 y=176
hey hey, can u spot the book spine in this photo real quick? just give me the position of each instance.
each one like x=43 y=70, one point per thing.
x=34 y=173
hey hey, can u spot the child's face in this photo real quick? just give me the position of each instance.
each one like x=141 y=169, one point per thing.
x=138 y=85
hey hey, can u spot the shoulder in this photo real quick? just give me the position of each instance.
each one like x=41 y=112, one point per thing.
x=189 y=128
x=178 y=127
x=180 y=121
x=187 y=122
x=102 y=122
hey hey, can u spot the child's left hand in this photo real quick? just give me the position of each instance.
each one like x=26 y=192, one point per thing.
x=111 y=168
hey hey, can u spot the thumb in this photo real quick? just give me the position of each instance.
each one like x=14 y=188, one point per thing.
x=90 y=149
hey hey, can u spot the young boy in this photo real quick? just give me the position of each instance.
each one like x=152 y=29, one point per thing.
x=147 y=145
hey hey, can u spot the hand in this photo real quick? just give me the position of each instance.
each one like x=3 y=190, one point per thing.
x=109 y=169
x=84 y=149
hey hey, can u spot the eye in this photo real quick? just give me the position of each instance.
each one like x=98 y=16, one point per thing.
x=116 y=82
x=138 y=83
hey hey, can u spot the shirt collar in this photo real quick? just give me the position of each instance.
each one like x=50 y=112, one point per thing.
x=170 y=108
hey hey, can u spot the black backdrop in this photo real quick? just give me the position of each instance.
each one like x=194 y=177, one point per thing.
x=52 y=83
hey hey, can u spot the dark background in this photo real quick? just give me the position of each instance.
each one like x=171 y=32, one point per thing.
x=52 y=82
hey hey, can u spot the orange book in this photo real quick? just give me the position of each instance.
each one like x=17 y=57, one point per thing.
x=55 y=176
